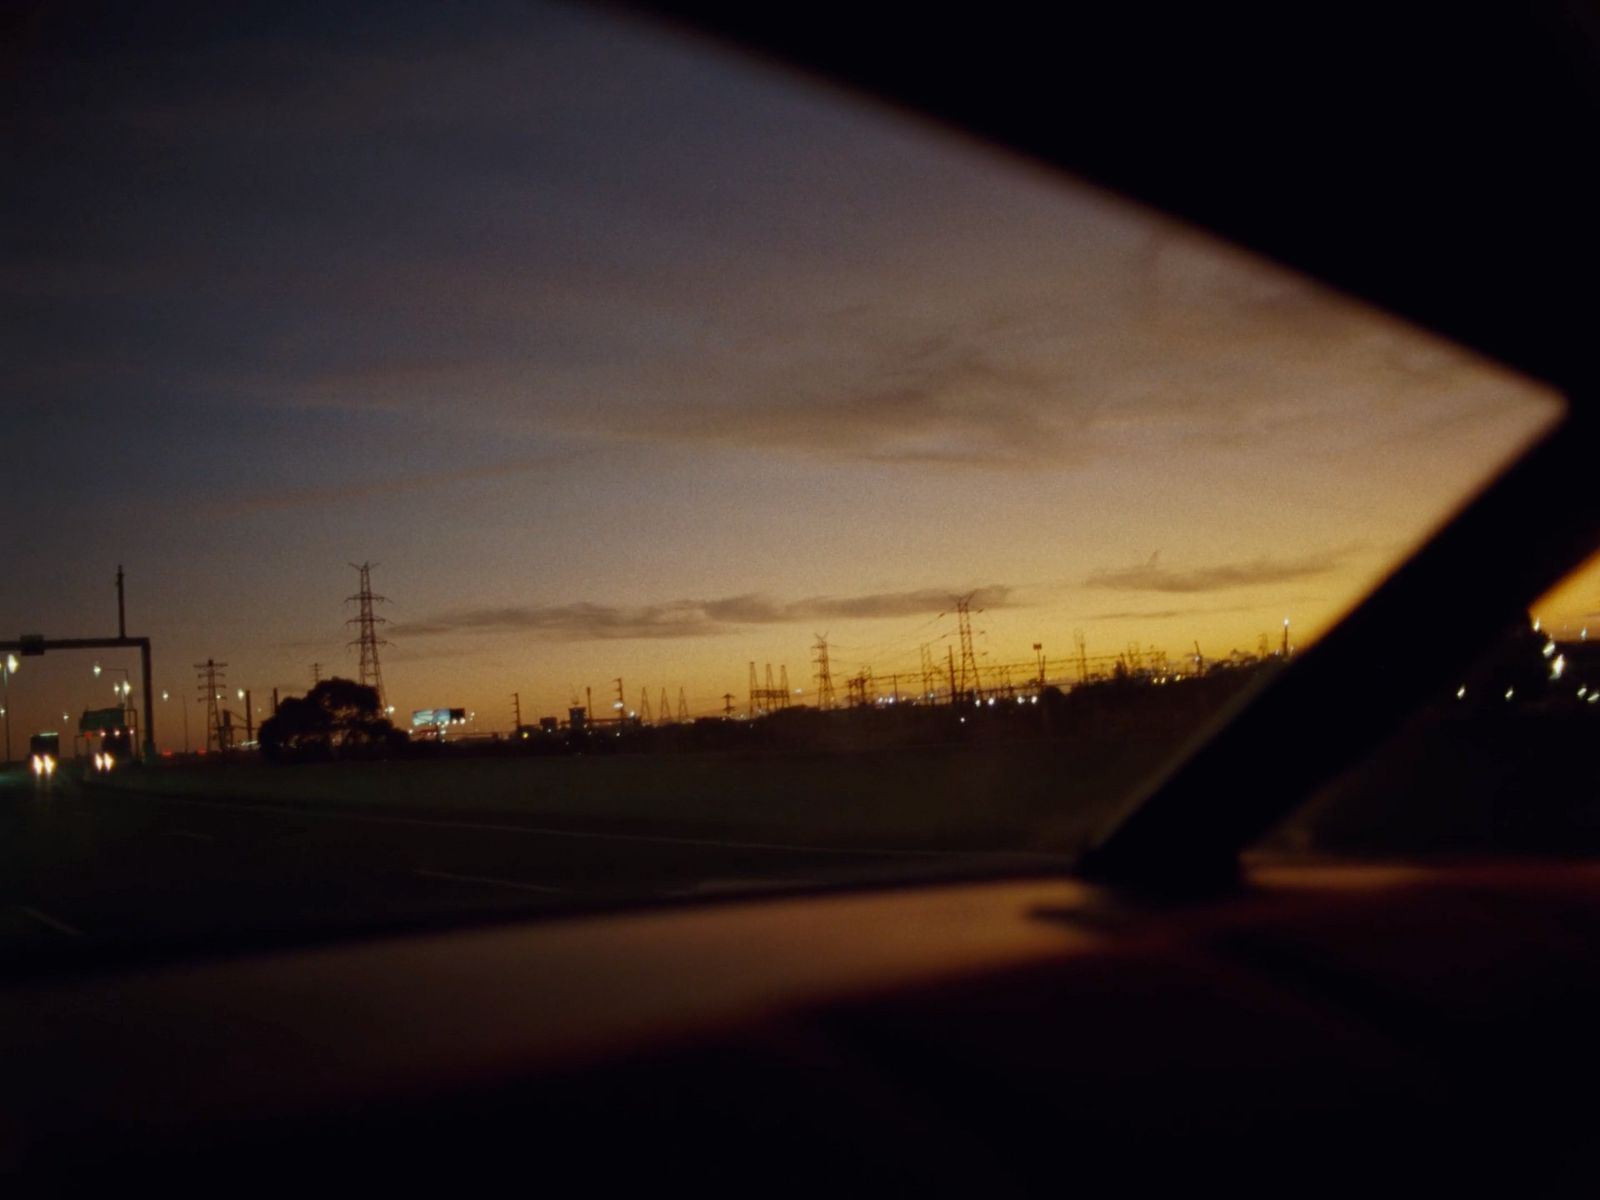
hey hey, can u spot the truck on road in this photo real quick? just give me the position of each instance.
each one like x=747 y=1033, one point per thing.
x=44 y=752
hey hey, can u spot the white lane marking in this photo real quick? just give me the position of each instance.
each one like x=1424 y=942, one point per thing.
x=191 y=834
x=47 y=920
x=650 y=838
x=487 y=881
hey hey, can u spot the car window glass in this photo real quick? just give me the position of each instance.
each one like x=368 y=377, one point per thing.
x=749 y=486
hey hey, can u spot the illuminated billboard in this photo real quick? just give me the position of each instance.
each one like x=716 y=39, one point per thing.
x=434 y=718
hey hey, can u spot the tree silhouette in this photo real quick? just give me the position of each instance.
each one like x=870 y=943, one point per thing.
x=338 y=718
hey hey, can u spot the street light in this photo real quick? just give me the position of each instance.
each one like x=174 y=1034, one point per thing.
x=8 y=668
x=184 y=708
x=123 y=689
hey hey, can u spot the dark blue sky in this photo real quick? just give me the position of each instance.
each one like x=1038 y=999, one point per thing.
x=585 y=333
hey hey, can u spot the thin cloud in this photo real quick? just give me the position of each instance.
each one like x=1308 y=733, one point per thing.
x=319 y=497
x=1152 y=576
x=1130 y=615
x=690 y=618
x=941 y=404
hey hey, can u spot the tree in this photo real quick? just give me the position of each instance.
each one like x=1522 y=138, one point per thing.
x=338 y=718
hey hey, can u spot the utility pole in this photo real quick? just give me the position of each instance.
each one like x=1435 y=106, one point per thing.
x=1083 y=656
x=950 y=655
x=122 y=612
x=1038 y=648
x=316 y=674
x=516 y=709
x=367 y=632
x=621 y=706
x=727 y=706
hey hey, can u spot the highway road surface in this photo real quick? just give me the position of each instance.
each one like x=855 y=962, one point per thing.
x=87 y=873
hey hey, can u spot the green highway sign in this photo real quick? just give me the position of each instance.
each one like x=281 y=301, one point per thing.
x=101 y=718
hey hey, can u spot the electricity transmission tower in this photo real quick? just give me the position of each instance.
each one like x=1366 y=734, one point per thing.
x=970 y=684
x=211 y=681
x=824 y=673
x=368 y=639
x=773 y=696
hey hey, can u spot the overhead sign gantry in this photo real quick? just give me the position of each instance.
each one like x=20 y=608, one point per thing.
x=32 y=644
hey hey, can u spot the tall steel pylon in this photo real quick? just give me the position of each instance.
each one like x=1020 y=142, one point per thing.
x=773 y=696
x=824 y=673
x=970 y=686
x=211 y=680
x=368 y=639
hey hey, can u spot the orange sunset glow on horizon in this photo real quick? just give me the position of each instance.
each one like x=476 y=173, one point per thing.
x=622 y=359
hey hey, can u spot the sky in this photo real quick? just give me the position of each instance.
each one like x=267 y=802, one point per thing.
x=621 y=356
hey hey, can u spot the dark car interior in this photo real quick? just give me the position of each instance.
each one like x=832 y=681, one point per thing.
x=1179 y=1013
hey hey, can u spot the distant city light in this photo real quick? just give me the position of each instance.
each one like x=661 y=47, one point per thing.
x=1549 y=648
x=1461 y=692
x=1557 y=667
x=1510 y=692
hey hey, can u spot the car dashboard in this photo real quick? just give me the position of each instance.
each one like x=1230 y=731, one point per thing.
x=1324 y=1027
